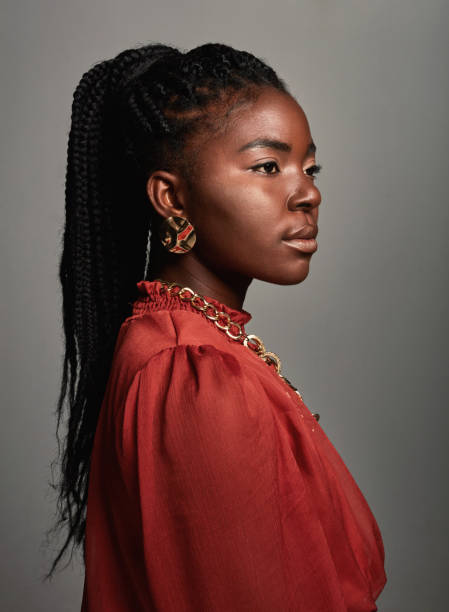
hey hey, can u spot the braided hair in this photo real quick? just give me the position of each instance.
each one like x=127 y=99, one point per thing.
x=131 y=115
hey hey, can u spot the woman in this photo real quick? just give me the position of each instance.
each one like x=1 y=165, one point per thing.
x=209 y=485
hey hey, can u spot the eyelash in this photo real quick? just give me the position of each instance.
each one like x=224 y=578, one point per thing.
x=316 y=168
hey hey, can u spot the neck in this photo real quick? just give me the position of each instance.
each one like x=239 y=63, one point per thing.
x=188 y=271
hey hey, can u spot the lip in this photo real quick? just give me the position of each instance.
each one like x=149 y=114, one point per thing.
x=306 y=245
x=306 y=231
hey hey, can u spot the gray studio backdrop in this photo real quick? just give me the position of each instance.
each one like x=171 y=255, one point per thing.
x=364 y=336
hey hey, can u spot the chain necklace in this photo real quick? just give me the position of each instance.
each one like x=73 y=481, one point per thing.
x=223 y=321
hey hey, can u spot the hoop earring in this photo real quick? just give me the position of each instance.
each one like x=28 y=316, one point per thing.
x=177 y=235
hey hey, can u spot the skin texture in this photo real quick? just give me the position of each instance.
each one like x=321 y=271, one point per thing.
x=241 y=213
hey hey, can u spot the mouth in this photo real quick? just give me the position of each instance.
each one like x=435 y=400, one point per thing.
x=305 y=245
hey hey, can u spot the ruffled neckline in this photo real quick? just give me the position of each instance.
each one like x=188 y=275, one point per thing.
x=152 y=298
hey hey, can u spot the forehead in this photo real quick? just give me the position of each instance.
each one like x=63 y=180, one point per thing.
x=274 y=115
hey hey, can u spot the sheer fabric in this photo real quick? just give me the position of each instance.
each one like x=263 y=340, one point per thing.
x=212 y=486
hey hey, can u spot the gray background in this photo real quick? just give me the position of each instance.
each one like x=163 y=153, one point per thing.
x=364 y=336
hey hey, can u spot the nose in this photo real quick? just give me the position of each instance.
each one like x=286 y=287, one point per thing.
x=306 y=197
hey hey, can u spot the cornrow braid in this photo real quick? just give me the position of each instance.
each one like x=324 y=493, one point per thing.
x=131 y=115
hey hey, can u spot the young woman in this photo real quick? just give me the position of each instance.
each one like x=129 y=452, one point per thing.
x=193 y=473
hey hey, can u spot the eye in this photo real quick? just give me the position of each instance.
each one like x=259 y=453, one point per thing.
x=313 y=170
x=265 y=165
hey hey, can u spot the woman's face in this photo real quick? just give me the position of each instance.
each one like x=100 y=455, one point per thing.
x=247 y=199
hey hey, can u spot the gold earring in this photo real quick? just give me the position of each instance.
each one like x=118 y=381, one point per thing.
x=177 y=234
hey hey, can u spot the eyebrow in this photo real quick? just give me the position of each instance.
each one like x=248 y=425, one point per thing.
x=269 y=143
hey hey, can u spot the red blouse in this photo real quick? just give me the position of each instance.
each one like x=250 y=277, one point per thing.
x=212 y=487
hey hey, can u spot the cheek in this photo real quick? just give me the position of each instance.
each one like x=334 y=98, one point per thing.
x=240 y=216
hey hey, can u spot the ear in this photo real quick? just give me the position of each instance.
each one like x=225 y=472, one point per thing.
x=167 y=194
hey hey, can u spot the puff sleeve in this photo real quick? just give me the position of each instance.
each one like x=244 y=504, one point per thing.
x=207 y=484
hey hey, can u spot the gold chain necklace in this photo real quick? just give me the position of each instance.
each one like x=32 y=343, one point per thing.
x=223 y=321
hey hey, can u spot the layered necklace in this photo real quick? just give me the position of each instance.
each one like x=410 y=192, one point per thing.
x=223 y=322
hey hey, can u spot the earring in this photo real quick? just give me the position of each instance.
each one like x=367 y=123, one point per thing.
x=177 y=234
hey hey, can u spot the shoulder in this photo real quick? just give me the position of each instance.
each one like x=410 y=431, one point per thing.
x=172 y=335
x=195 y=357
x=203 y=382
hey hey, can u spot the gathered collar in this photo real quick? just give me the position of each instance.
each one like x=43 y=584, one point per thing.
x=152 y=298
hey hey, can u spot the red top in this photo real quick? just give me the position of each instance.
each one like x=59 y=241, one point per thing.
x=212 y=487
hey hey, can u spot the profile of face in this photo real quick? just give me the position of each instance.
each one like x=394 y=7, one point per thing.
x=253 y=189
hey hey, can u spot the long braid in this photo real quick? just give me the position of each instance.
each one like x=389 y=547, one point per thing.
x=130 y=115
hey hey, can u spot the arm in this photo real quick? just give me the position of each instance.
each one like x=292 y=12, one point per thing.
x=207 y=477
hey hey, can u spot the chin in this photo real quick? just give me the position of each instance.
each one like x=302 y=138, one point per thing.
x=292 y=275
